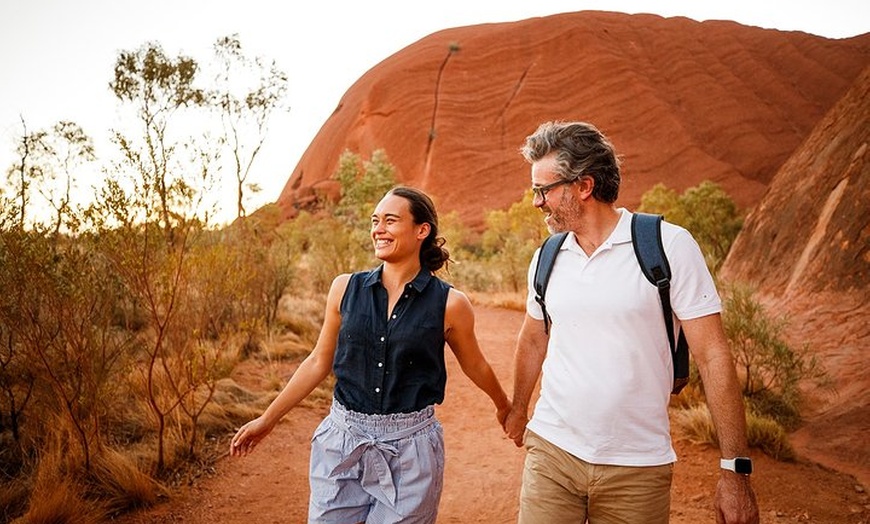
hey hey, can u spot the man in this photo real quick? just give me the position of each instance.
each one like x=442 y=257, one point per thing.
x=598 y=445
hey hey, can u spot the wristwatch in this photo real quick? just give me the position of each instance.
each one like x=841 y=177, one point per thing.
x=741 y=465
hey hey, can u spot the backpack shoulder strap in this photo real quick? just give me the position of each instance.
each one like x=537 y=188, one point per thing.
x=546 y=260
x=646 y=237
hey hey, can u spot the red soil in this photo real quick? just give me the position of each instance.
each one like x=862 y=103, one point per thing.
x=482 y=478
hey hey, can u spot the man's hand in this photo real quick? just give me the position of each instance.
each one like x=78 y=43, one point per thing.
x=515 y=425
x=735 y=501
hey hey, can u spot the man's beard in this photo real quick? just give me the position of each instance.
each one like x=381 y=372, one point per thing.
x=568 y=214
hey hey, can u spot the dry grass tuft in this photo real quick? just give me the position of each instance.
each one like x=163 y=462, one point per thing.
x=697 y=423
x=762 y=432
x=120 y=485
x=287 y=346
x=770 y=437
x=56 y=496
x=231 y=406
x=13 y=498
x=62 y=502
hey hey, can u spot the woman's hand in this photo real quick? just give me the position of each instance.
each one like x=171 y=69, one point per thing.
x=248 y=436
x=515 y=425
x=502 y=414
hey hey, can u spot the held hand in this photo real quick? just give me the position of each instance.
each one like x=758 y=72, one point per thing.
x=502 y=414
x=735 y=501
x=515 y=425
x=248 y=436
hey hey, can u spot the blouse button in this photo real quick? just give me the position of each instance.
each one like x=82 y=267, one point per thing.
x=382 y=339
x=377 y=390
x=394 y=316
x=380 y=364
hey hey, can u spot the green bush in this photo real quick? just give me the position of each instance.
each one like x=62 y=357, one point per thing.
x=705 y=210
x=510 y=240
x=770 y=369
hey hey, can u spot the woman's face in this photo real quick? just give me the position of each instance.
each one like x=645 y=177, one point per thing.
x=395 y=236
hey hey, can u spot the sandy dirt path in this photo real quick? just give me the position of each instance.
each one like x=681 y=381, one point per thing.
x=483 y=469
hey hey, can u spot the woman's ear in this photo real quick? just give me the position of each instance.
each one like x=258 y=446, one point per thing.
x=424 y=230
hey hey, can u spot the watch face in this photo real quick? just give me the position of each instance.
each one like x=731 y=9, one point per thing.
x=742 y=466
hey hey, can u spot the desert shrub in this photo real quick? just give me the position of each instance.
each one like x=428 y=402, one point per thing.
x=118 y=484
x=769 y=436
x=337 y=239
x=762 y=432
x=460 y=238
x=470 y=272
x=697 y=423
x=14 y=494
x=707 y=211
x=465 y=269
x=770 y=373
x=363 y=184
x=770 y=369
x=504 y=299
x=662 y=200
x=508 y=243
x=62 y=502
x=331 y=248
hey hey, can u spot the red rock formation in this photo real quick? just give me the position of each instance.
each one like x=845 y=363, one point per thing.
x=806 y=247
x=683 y=101
x=811 y=230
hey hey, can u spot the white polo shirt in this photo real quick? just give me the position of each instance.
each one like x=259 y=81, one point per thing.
x=607 y=375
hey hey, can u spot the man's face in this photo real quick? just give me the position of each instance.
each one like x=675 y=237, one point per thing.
x=554 y=196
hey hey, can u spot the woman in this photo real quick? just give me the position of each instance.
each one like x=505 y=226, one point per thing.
x=379 y=455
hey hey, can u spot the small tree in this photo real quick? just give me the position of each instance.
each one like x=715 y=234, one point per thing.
x=662 y=200
x=510 y=240
x=770 y=369
x=337 y=239
x=67 y=148
x=706 y=211
x=158 y=87
x=249 y=91
x=363 y=183
x=713 y=219
x=21 y=174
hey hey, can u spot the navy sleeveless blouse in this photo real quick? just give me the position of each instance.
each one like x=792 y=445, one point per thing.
x=391 y=365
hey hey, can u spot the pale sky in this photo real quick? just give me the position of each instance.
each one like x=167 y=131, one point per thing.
x=56 y=56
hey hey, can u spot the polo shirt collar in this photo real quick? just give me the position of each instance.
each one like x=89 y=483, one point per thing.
x=621 y=234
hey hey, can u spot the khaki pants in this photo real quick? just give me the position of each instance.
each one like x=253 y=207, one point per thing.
x=559 y=488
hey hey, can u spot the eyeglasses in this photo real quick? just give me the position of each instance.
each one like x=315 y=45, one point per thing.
x=541 y=191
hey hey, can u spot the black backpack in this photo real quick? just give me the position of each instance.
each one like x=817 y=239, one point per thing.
x=646 y=237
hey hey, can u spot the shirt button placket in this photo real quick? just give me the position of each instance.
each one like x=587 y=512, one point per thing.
x=382 y=353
